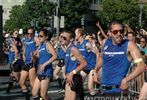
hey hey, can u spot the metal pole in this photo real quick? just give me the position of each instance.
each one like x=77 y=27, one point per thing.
x=1 y=34
x=58 y=18
x=140 y=15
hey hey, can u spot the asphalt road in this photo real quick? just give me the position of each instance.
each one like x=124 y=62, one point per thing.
x=15 y=93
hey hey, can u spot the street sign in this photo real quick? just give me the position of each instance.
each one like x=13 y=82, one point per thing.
x=61 y=22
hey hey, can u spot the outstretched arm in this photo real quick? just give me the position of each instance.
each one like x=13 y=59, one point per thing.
x=101 y=30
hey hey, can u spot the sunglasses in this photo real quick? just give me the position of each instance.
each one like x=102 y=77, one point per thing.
x=142 y=41
x=41 y=36
x=116 y=31
x=29 y=33
x=64 y=38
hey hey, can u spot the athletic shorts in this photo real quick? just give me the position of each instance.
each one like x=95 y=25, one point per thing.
x=17 y=66
x=86 y=71
x=61 y=62
x=27 y=67
x=43 y=77
x=145 y=76
x=77 y=83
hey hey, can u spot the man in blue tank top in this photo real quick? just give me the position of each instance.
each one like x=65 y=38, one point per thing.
x=86 y=50
x=28 y=69
x=74 y=62
x=60 y=66
x=116 y=56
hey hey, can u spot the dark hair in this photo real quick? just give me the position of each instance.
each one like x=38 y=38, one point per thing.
x=31 y=28
x=131 y=33
x=72 y=35
x=143 y=37
x=115 y=22
x=81 y=31
x=47 y=33
x=19 y=44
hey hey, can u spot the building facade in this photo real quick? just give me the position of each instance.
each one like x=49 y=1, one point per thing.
x=7 y=6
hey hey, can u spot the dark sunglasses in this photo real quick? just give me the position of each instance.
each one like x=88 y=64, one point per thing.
x=29 y=33
x=116 y=31
x=142 y=41
x=40 y=36
x=63 y=37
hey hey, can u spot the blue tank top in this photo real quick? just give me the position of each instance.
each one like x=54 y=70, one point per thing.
x=61 y=53
x=11 y=56
x=90 y=57
x=29 y=48
x=115 y=63
x=70 y=64
x=44 y=56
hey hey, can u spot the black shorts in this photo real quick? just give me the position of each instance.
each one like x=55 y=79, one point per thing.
x=43 y=77
x=77 y=83
x=27 y=67
x=86 y=71
x=61 y=62
x=145 y=76
x=17 y=66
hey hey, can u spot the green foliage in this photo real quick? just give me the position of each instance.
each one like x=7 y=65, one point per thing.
x=21 y=16
x=17 y=19
x=123 y=10
x=73 y=11
x=41 y=10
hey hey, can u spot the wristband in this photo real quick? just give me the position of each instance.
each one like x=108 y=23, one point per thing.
x=74 y=71
x=138 y=60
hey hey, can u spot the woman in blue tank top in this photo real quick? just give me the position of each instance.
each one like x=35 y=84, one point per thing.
x=46 y=55
x=15 y=61
x=28 y=70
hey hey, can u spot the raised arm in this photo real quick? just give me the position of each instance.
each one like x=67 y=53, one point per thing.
x=101 y=30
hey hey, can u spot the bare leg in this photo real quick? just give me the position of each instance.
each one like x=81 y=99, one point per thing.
x=32 y=76
x=44 y=88
x=143 y=92
x=36 y=88
x=91 y=84
x=23 y=77
x=69 y=94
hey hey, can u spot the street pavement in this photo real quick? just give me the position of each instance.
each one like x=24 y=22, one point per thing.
x=15 y=93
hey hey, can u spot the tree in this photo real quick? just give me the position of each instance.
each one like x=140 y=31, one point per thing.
x=21 y=16
x=17 y=19
x=126 y=11
x=73 y=11
x=41 y=10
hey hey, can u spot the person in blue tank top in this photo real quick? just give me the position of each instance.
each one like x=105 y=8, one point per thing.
x=28 y=70
x=74 y=63
x=15 y=61
x=46 y=55
x=85 y=48
x=115 y=59
x=60 y=66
